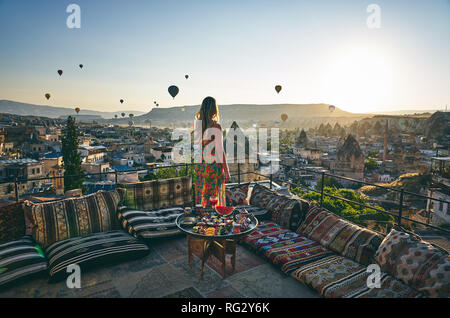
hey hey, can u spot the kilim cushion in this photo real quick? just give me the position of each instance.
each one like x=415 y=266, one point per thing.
x=151 y=224
x=12 y=222
x=339 y=235
x=261 y=195
x=155 y=194
x=59 y=220
x=237 y=195
x=285 y=249
x=286 y=211
x=20 y=260
x=339 y=277
x=415 y=262
x=98 y=249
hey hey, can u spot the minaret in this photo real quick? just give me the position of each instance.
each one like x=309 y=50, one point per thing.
x=385 y=141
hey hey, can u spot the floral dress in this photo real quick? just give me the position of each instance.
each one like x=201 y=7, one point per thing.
x=209 y=181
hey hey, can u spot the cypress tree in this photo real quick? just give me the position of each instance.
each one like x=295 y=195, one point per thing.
x=71 y=157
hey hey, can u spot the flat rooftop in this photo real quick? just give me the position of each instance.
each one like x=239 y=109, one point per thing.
x=165 y=273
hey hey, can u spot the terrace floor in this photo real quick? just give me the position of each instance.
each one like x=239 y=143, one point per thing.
x=166 y=273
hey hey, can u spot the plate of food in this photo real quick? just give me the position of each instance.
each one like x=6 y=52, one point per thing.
x=188 y=222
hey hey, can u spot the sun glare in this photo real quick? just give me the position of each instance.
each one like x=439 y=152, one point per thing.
x=359 y=79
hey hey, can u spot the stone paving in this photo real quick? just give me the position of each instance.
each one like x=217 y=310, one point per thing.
x=166 y=273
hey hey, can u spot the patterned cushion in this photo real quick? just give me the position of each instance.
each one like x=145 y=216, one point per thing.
x=341 y=236
x=155 y=194
x=98 y=249
x=286 y=211
x=20 y=260
x=259 y=213
x=12 y=222
x=287 y=250
x=237 y=195
x=261 y=195
x=59 y=220
x=151 y=224
x=339 y=277
x=415 y=262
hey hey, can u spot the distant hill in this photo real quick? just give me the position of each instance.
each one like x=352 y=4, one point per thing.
x=248 y=113
x=23 y=109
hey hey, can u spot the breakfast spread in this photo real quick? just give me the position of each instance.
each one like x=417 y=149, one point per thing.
x=216 y=224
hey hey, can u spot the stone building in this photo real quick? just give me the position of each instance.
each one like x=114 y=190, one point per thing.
x=349 y=160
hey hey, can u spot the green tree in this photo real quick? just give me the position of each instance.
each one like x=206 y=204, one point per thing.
x=73 y=173
x=328 y=182
x=370 y=164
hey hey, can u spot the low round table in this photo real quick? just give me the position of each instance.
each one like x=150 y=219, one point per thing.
x=217 y=245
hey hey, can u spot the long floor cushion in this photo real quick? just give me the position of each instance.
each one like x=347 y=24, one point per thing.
x=150 y=224
x=339 y=277
x=284 y=248
x=20 y=260
x=97 y=249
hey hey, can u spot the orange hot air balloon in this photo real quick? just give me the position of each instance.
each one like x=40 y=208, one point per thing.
x=77 y=110
x=47 y=96
x=278 y=88
x=60 y=72
x=284 y=117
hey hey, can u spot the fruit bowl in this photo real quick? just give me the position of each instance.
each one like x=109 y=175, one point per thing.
x=224 y=210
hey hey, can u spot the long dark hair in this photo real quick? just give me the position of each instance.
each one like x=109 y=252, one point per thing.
x=208 y=113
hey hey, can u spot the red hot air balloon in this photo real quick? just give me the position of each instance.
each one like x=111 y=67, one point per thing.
x=60 y=72
x=278 y=88
x=173 y=91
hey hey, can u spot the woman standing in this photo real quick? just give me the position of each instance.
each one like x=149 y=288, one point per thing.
x=212 y=173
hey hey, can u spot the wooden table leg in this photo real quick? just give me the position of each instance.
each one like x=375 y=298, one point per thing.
x=206 y=252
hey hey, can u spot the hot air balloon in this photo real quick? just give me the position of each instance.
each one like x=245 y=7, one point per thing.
x=131 y=115
x=77 y=109
x=115 y=116
x=81 y=65
x=157 y=105
x=284 y=117
x=60 y=72
x=331 y=108
x=278 y=88
x=47 y=96
x=154 y=102
x=121 y=101
x=173 y=91
x=123 y=114
x=186 y=76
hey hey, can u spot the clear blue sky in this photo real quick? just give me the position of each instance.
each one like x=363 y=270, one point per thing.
x=234 y=50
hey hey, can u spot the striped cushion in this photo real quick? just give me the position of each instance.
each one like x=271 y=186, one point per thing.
x=339 y=277
x=55 y=221
x=98 y=249
x=12 y=222
x=151 y=224
x=19 y=260
x=285 y=249
x=156 y=194
x=341 y=236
